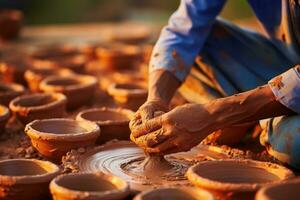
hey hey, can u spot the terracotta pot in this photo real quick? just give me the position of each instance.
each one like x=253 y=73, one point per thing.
x=79 y=89
x=236 y=179
x=88 y=186
x=38 y=106
x=119 y=56
x=11 y=22
x=26 y=178
x=130 y=96
x=114 y=123
x=35 y=75
x=179 y=193
x=53 y=138
x=9 y=92
x=62 y=56
x=12 y=69
x=4 y=116
x=280 y=191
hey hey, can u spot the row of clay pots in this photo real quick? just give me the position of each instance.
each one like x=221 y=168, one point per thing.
x=30 y=179
x=53 y=138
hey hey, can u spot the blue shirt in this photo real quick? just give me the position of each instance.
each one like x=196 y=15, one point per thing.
x=189 y=27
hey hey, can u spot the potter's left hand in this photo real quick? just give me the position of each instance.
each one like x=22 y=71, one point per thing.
x=177 y=130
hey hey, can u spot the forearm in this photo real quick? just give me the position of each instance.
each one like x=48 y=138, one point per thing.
x=256 y=104
x=162 y=86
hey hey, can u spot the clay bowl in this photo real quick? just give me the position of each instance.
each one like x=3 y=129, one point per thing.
x=53 y=138
x=26 y=178
x=79 y=89
x=236 y=179
x=38 y=106
x=118 y=57
x=12 y=69
x=62 y=56
x=88 y=186
x=35 y=75
x=9 y=92
x=130 y=96
x=10 y=22
x=114 y=123
x=4 y=116
x=179 y=193
x=280 y=191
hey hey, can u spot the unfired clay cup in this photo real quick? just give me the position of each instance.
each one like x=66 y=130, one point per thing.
x=114 y=123
x=26 y=178
x=35 y=75
x=126 y=95
x=88 y=186
x=179 y=193
x=38 y=106
x=4 y=116
x=53 y=138
x=119 y=56
x=281 y=191
x=9 y=92
x=236 y=179
x=79 y=89
x=11 y=22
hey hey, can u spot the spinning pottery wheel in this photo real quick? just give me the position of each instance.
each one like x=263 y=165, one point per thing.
x=124 y=159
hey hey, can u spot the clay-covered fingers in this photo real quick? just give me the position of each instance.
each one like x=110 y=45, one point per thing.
x=147 y=127
x=151 y=139
x=135 y=121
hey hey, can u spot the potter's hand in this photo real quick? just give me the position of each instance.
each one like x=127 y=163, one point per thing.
x=177 y=130
x=147 y=111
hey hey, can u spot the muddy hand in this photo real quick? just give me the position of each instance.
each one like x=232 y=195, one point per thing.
x=147 y=111
x=177 y=130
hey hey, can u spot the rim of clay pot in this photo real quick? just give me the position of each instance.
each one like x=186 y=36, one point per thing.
x=126 y=113
x=11 y=88
x=57 y=99
x=195 y=193
x=89 y=130
x=4 y=113
x=12 y=14
x=126 y=89
x=280 y=191
x=50 y=171
x=196 y=176
x=108 y=50
x=80 y=81
x=121 y=187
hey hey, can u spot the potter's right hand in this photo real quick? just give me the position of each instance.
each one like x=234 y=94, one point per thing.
x=149 y=110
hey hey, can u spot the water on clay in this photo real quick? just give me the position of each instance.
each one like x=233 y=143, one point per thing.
x=127 y=161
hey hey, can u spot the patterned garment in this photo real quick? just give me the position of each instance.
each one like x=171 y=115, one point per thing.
x=215 y=58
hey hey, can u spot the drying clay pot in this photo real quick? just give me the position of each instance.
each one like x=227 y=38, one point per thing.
x=114 y=123
x=4 y=116
x=9 y=92
x=88 y=186
x=79 y=89
x=35 y=75
x=178 y=193
x=130 y=96
x=38 y=106
x=26 y=178
x=10 y=22
x=53 y=138
x=62 y=56
x=236 y=179
x=119 y=56
x=280 y=191
x=12 y=69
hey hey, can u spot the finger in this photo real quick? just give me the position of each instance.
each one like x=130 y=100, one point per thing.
x=146 y=113
x=135 y=121
x=163 y=148
x=152 y=139
x=147 y=127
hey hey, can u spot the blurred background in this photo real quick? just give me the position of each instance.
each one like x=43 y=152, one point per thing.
x=39 y=12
